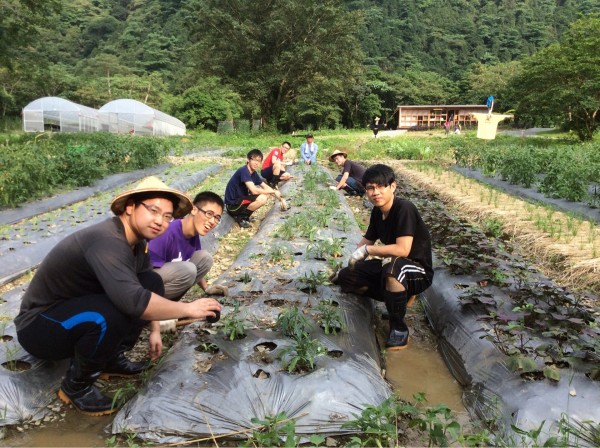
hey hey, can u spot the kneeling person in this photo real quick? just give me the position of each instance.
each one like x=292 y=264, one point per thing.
x=350 y=180
x=177 y=255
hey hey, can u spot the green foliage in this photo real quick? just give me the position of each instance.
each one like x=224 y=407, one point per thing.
x=206 y=103
x=293 y=323
x=301 y=356
x=233 y=324
x=278 y=430
x=33 y=166
x=330 y=317
x=560 y=84
x=312 y=280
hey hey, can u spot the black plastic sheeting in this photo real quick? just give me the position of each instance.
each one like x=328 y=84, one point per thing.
x=28 y=385
x=15 y=263
x=184 y=402
x=492 y=391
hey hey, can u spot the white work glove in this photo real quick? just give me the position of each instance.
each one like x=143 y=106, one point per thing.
x=217 y=290
x=168 y=326
x=358 y=255
x=333 y=187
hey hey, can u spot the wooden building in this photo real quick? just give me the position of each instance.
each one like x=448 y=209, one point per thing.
x=431 y=116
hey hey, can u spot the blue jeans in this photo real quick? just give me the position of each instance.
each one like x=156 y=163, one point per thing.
x=352 y=185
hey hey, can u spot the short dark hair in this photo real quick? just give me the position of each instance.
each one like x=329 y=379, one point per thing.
x=379 y=174
x=253 y=153
x=287 y=143
x=205 y=197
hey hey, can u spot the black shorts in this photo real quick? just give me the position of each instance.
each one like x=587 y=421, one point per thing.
x=241 y=206
x=373 y=273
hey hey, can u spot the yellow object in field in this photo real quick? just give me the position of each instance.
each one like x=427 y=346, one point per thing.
x=487 y=124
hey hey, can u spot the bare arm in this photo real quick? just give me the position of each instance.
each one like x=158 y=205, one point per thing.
x=262 y=189
x=342 y=183
x=399 y=249
x=160 y=308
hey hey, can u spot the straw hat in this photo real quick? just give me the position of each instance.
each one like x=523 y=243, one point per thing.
x=335 y=153
x=152 y=185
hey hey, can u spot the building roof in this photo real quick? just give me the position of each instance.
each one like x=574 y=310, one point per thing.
x=443 y=106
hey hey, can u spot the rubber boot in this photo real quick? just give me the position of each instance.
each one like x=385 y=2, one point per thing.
x=78 y=389
x=395 y=303
x=274 y=181
x=119 y=365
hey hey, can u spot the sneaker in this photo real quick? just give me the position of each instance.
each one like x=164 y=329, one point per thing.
x=244 y=223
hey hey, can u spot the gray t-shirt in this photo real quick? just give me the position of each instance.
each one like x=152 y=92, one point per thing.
x=95 y=260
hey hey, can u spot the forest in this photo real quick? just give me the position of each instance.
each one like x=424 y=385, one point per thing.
x=306 y=64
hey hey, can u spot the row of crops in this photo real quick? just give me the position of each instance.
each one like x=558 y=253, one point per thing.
x=564 y=171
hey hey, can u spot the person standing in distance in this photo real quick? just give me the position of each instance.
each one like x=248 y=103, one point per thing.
x=308 y=150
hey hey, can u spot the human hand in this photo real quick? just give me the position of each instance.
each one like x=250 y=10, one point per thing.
x=156 y=345
x=283 y=205
x=217 y=290
x=358 y=255
x=202 y=308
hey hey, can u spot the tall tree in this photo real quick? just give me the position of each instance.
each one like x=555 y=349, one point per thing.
x=562 y=82
x=19 y=22
x=272 y=51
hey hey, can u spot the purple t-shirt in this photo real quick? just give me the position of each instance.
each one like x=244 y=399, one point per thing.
x=172 y=246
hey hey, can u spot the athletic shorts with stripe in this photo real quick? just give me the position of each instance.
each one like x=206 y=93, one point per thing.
x=373 y=273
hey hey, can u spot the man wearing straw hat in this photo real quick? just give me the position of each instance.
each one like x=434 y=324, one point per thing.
x=350 y=180
x=95 y=291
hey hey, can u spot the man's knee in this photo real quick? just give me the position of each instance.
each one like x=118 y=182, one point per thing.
x=393 y=285
x=347 y=279
x=203 y=261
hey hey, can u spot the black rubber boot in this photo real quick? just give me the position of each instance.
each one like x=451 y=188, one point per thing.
x=119 y=365
x=78 y=389
x=395 y=303
x=274 y=181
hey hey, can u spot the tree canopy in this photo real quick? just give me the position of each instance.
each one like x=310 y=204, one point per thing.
x=293 y=63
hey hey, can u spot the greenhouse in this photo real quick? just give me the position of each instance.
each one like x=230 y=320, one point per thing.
x=53 y=113
x=130 y=116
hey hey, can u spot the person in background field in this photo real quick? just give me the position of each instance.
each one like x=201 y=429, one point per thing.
x=404 y=264
x=273 y=167
x=246 y=191
x=95 y=291
x=375 y=126
x=350 y=179
x=308 y=150
x=177 y=255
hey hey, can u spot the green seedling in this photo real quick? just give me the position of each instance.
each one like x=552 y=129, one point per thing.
x=281 y=254
x=275 y=431
x=302 y=354
x=313 y=280
x=322 y=249
x=293 y=323
x=233 y=324
x=330 y=317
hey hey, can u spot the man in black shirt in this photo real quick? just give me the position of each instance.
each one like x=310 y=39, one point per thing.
x=404 y=264
x=95 y=291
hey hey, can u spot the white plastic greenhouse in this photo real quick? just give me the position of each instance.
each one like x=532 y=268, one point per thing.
x=131 y=116
x=60 y=114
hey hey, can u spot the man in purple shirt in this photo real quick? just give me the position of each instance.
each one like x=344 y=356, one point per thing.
x=177 y=255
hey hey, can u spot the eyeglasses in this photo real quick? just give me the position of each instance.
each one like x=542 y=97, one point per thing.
x=256 y=159
x=157 y=212
x=210 y=215
x=372 y=188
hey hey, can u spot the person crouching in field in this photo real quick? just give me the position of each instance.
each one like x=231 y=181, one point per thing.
x=403 y=267
x=177 y=255
x=95 y=291
x=350 y=179
x=273 y=167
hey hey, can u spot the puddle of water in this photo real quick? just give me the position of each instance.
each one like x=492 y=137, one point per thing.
x=75 y=430
x=420 y=368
